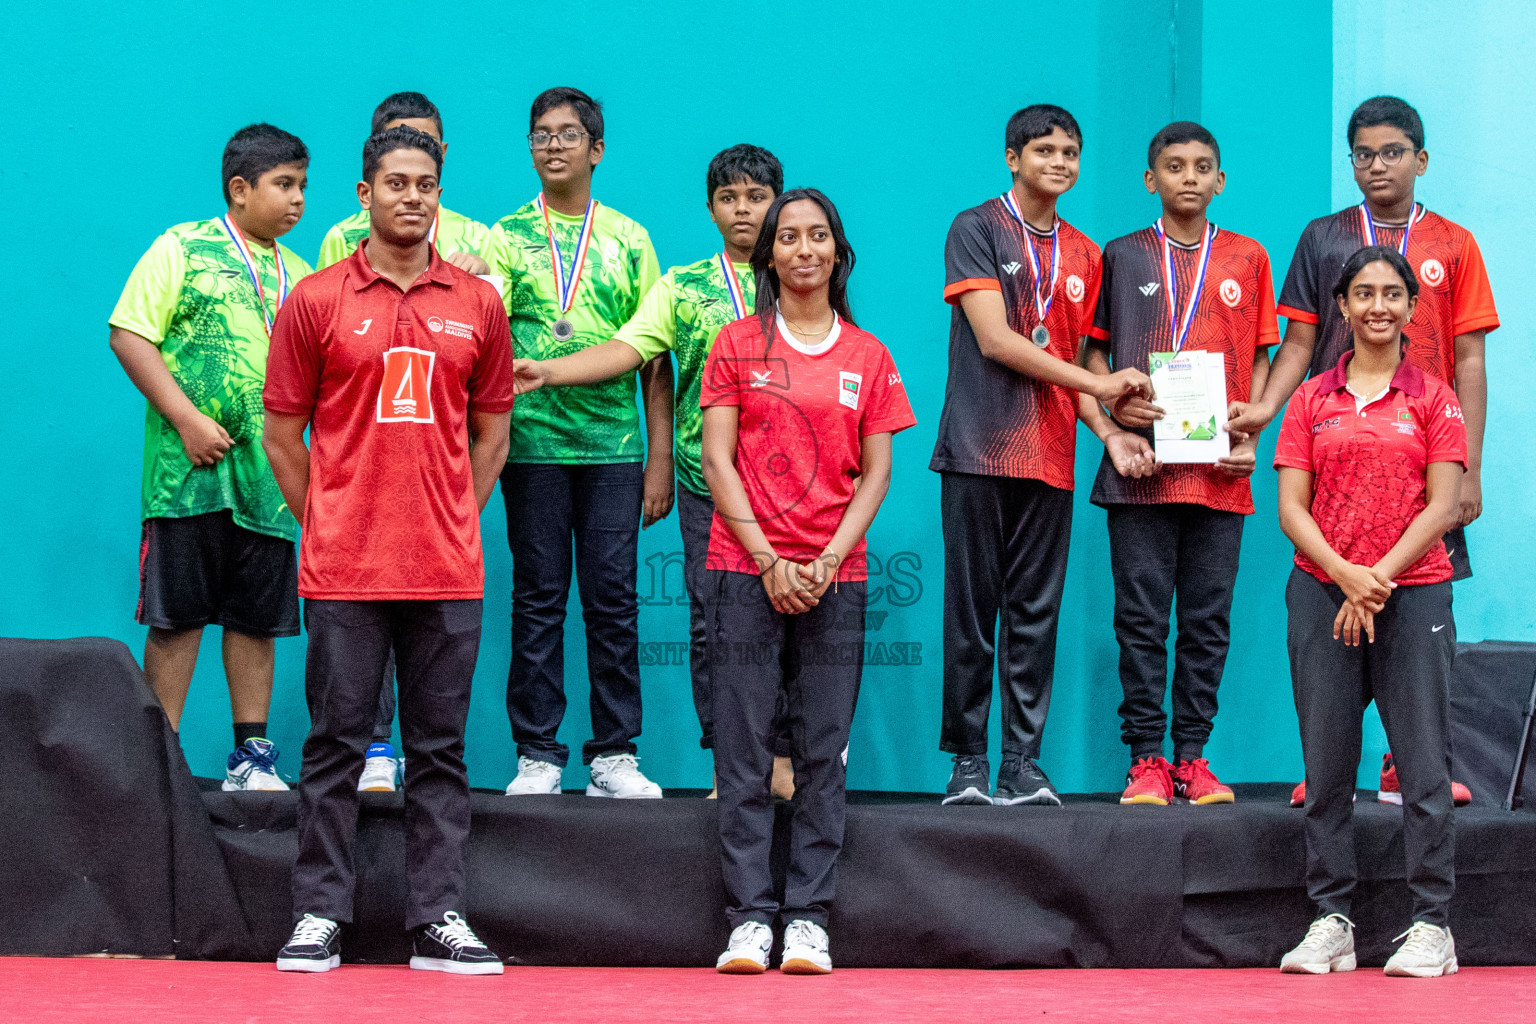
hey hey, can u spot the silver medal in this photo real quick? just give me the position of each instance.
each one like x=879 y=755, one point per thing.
x=1040 y=336
x=563 y=331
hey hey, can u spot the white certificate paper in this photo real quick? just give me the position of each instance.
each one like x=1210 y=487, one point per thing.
x=1191 y=389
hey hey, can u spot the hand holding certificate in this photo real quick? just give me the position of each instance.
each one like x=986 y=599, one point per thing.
x=1191 y=388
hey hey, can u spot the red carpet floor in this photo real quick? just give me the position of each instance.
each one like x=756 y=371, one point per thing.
x=41 y=991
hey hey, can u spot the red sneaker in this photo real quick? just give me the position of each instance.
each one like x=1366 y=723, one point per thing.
x=1299 y=795
x=1390 y=793
x=1150 y=781
x=1194 y=781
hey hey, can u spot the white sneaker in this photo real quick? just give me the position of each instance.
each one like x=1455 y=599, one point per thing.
x=252 y=768
x=1329 y=946
x=1429 y=952
x=378 y=769
x=805 y=949
x=535 y=778
x=748 y=950
x=618 y=776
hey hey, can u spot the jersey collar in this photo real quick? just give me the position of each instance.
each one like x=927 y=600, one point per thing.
x=362 y=273
x=1408 y=379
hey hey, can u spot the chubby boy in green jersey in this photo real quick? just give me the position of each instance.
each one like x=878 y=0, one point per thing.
x=463 y=242
x=191 y=330
x=575 y=271
x=682 y=314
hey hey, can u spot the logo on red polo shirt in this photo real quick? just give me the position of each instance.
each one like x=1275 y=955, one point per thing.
x=405 y=395
x=1432 y=273
x=1075 y=288
x=435 y=324
x=1231 y=293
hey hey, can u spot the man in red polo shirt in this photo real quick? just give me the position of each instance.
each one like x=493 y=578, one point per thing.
x=401 y=365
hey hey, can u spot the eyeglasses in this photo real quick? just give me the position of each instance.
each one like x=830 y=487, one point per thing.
x=1391 y=156
x=541 y=140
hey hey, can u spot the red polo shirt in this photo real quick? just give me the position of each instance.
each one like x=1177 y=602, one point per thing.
x=387 y=379
x=1368 y=465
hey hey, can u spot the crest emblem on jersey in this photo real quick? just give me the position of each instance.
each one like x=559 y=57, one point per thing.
x=1231 y=292
x=848 y=385
x=435 y=325
x=1075 y=288
x=405 y=394
x=1432 y=273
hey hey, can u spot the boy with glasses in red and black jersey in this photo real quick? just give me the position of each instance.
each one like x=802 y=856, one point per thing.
x=1454 y=314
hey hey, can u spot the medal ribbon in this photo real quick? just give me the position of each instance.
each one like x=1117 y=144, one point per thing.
x=733 y=286
x=250 y=268
x=432 y=234
x=565 y=283
x=1179 y=329
x=1042 y=305
x=1368 y=226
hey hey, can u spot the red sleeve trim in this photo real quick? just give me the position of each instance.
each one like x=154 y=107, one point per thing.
x=1299 y=315
x=1292 y=462
x=1097 y=332
x=283 y=408
x=1485 y=322
x=953 y=292
x=492 y=407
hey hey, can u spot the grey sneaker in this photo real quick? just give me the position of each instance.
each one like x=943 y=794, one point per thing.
x=1329 y=946
x=1427 y=952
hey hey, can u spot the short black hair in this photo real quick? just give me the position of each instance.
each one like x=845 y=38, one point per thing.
x=1180 y=132
x=1388 y=110
x=256 y=149
x=588 y=110
x=1370 y=254
x=401 y=136
x=1035 y=122
x=743 y=162
x=406 y=106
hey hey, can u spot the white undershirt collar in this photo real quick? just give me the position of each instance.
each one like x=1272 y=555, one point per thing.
x=810 y=350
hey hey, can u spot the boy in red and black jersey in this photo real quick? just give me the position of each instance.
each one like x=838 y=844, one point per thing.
x=1023 y=284
x=1178 y=528
x=1455 y=310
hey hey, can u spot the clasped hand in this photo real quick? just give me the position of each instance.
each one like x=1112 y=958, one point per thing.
x=795 y=587
x=1366 y=589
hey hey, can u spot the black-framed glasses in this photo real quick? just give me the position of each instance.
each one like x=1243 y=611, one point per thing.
x=1391 y=156
x=568 y=138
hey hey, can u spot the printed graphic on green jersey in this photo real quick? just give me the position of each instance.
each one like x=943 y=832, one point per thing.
x=215 y=347
x=703 y=306
x=595 y=423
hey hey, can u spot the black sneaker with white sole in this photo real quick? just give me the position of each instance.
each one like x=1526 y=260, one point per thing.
x=314 y=947
x=1020 y=781
x=451 y=946
x=969 y=781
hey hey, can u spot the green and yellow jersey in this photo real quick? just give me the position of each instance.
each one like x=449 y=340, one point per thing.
x=455 y=233
x=682 y=314
x=192 y=297
x=594 y=423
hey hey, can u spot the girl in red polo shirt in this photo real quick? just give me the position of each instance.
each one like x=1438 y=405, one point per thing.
x=799 y=409
x=1370 y=456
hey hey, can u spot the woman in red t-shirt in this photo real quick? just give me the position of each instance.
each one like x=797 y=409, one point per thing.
x=799 y=409
x=1370 y=456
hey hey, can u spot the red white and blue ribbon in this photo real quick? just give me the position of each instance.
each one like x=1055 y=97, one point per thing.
x=1179 y=326
x=1042 y=302
x=732 y=285
x=432 y=233
x=244 y=250
x=1368 y=226
x=566 y=283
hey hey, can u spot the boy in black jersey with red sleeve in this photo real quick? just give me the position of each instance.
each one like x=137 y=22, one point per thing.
x=1455 y=310
x=1182 y=284
x=1023 y=284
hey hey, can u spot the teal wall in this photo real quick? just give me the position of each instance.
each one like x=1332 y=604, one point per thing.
x=122 y=110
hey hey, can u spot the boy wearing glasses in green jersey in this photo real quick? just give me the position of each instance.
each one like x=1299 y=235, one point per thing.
x=575 y=272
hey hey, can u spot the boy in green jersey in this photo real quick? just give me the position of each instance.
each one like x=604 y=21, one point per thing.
x=575 y=272
x=682 y=314
x=463 y=242
x=192 y=329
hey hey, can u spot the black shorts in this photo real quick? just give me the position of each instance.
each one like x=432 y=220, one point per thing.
x=204 y=570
